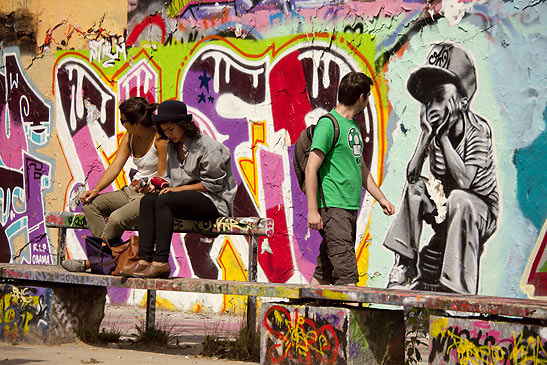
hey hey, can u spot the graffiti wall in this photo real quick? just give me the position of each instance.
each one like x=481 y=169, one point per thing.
x=25 y=314
x=454 y=131
x=470 y=341
x=293 y=334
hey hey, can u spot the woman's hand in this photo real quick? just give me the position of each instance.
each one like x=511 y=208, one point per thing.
x=88 y=195
x=170 y=189
x=146 y=189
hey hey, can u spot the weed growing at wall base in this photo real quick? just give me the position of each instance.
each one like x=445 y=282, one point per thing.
x=161 y=335
x=416 y=332
x=243 y=346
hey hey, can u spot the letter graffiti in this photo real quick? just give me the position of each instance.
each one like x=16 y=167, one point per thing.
x=25 y=122
x=23 y=310
x=300 y=339
x=486 y=344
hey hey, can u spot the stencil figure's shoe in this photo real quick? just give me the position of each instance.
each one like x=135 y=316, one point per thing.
x=403 y=274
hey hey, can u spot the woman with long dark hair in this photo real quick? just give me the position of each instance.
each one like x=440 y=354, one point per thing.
x=149 y=154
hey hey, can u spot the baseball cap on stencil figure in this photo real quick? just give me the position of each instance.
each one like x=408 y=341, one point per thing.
x=446 y=63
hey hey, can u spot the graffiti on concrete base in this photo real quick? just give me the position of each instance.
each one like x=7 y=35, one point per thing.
x=463 y=341
x=24 y=311
x=300 y=338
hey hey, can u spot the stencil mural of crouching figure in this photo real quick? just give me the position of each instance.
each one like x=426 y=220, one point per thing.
x=460 y=200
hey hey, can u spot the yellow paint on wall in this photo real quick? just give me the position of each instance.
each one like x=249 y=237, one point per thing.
x=161 y=303
x=438 y=327
x=232 y=269
x=363 y=255
x=249 y=166
x=20 y=299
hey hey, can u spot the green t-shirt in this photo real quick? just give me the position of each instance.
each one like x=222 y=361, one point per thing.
x=340 y=173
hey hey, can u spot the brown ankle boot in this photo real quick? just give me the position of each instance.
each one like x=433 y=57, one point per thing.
x=155 y=271
x=135 y=269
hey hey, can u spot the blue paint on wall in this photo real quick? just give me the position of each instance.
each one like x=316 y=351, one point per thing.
x=532 y=178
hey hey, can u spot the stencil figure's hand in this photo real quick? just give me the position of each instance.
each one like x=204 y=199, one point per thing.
x=424 y=123
x=453 y=112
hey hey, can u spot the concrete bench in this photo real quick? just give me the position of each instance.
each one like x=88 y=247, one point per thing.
x=315 y=323
x=292 y=318
x=251 y=227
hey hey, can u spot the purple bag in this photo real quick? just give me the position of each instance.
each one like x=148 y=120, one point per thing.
x=99 y=256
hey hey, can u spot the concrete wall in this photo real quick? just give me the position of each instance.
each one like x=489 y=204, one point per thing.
x=254 y=74
x=476 y=341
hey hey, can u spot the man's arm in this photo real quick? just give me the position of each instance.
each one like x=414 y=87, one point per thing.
x=315 y=159
x=370 y=185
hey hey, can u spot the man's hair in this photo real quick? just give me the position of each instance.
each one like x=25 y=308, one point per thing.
x=138 y=110
x=190 y=128
x=352 y=86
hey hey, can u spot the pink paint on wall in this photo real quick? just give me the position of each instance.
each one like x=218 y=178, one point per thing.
x=277 y=265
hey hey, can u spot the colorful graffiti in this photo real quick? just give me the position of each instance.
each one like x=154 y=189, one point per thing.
x=24 y=310
x=254 y=75
x=465 y=341
x=310 y=334
x=25 y=126
x=237 y=97
x=302 y=339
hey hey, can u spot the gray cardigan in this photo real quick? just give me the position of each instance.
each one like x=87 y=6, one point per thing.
x=206 y=161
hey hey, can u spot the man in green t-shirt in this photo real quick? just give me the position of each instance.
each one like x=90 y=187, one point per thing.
x=342 y=175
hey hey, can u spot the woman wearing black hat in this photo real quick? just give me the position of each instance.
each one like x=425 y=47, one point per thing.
x=201 y=187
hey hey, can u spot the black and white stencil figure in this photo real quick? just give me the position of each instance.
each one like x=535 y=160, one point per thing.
x=459 y=199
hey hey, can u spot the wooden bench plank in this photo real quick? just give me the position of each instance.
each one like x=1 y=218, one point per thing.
x=253 y=226
x=525 y=308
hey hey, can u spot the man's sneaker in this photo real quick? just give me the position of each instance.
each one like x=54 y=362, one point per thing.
x=74 y=265
x=402 y=275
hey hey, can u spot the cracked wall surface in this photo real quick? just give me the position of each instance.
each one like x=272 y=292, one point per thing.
x=254 y=74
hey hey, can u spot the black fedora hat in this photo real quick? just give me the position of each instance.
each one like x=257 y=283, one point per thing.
x=171 y=111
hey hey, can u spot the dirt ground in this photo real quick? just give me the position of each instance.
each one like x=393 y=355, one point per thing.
x=81 y=353
x=188 y=331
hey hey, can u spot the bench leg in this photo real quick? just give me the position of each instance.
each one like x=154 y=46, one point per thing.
x=61 y=245
x=251 y=300
x=150 y=309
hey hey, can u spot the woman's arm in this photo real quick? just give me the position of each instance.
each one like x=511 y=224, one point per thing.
x=122 y=154
x=190 y=187
x=161 y=147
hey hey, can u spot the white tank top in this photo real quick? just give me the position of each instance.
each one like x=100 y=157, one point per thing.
x=147 y=165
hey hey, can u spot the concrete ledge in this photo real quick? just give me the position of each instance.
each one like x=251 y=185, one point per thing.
x=50 y=313
x=476 y=341
x=525 y=308
x=307 y=334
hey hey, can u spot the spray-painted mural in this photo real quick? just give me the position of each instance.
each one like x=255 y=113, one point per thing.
x=473 y=341
x=25 y=313
x=460 y=198
x=254 y=75
x=299 y=334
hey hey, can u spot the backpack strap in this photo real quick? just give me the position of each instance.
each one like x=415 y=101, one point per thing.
x=334 y=141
